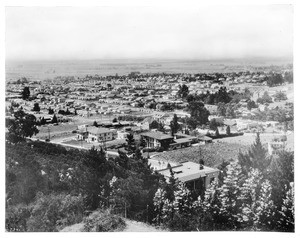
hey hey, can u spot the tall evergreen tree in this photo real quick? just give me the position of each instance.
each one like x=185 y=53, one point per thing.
x=229 y=192
x=221 y=110
x=228 y=130
x=281 y=173
x=287 y=211
x=248 y=198
x=174 y=125
x=43 y=121
x=265 y=210
x=161 y=127
x=258 y=155
x=36 y=107
x=54 y=119
x=130 y=146
x=50 y=111
x=199 y=114
x=154 y=124
x=217 y=133
x=183 y=91
x=25 y=93
x=142 y=142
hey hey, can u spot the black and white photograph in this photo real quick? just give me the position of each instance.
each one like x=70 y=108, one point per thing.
x=149 y=118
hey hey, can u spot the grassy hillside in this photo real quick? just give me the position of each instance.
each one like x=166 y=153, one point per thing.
x=212 y=154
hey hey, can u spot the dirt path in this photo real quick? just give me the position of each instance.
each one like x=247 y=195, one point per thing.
x=74 y=228
x=134 y=226
x=131 y=226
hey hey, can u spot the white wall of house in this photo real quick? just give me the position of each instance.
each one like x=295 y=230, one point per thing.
x=122 y=135
x=100 y=137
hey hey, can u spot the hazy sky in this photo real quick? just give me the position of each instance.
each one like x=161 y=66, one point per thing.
x=208 y=32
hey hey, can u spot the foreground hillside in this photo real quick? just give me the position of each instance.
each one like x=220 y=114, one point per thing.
x=50 y=189
x=127 y=226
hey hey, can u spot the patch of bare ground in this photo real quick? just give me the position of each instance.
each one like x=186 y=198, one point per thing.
x=104 y=220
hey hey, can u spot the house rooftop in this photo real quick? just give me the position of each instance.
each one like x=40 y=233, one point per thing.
x=157 y=135
x=204 y=138
x=188 y=171
x=97 y=130
x=182 y=140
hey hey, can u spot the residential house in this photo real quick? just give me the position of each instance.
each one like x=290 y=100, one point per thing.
x=157 y=139
x=277 y=144
x=99 y=134
x=194 y=175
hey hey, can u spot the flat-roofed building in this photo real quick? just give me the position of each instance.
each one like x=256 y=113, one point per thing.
x=194 y=175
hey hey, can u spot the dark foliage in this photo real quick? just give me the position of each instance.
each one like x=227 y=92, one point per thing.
x=174 y=125
x=36 y=107
x=21 y=126
x=199 y=114
x=25 y=93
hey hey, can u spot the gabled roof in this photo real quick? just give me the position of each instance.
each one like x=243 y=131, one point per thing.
x=229 y=122
x=148 y=119
x=97 y=130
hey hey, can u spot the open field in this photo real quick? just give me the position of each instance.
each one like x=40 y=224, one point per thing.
x=61 y=130
x=213 y=153
x=249 y=138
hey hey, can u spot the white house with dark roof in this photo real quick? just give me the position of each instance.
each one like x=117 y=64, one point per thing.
x=157 y=139
x=99 y=134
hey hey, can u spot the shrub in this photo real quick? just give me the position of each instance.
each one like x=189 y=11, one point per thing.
x=103 y=221
x=149 y=149
x=53 y=212
x=16 y=217
x=159 y=149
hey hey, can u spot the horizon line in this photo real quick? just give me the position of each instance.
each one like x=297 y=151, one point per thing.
x=156 y=59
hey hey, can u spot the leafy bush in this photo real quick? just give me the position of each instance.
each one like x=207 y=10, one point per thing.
x=53 y=212
x=159 y=149
x=16 y=217
x=103 y=221
x=149 y=149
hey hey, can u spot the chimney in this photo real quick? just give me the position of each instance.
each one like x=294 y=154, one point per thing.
x=201 y=162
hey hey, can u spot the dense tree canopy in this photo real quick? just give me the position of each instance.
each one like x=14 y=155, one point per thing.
x=183 y=91
x=252 y=195
x=25 y=93
x=21 y=126
x=199 y=114
x=36 y=107
x=174 y=125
